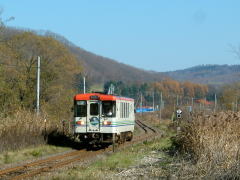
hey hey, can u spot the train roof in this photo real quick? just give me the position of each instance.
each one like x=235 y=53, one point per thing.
x=99 y=96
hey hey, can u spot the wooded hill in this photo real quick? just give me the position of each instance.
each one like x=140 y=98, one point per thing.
x=208 y=74
x=63 y=65
x=59 y=68
x=106 y=69
x=101 y=69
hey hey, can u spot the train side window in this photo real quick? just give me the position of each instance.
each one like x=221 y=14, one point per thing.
x=124 y=110
x=127 y=110
x=121 y=110
x=109 y=108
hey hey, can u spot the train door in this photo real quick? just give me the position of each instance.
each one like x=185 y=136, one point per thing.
x=93 y=124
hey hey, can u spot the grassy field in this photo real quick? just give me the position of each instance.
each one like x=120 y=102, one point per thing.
x=30 y=153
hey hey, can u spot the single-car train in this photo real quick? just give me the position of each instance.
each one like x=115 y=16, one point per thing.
x=103 y=118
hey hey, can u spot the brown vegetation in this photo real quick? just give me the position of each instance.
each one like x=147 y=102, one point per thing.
x=231 y=96
x=213 y=144
x=23 y=129
x=18 y=54
x=187 y=89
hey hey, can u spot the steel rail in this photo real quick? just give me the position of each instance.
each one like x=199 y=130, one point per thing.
x=141 y=126
x=83 y=156
x=152 y=129
x=38 y=162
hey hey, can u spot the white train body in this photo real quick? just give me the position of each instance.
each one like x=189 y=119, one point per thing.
x=101 y=117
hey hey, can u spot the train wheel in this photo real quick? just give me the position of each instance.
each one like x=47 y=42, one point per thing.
x=124 y=137
x=129 y=136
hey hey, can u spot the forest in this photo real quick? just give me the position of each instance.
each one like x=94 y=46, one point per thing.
x=18 y=73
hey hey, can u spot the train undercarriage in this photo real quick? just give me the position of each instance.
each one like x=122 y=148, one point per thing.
x=105 y=138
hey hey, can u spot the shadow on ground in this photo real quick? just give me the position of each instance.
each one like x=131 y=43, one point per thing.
x=59 y=139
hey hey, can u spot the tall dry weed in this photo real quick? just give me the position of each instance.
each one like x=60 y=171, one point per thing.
x=213 y=142
x=22 y=129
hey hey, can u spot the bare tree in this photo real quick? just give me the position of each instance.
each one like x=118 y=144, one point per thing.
x=235 y=50
x=3 y=22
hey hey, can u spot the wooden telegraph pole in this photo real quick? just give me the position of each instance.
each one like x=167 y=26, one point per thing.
x=38 y=86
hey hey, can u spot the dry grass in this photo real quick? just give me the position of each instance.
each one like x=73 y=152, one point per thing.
x=213 y=143
x=30 y=153
x=24 y=129
x=154 y=117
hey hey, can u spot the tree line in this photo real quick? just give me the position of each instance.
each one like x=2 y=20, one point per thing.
x=169 y=88
x=18 y=61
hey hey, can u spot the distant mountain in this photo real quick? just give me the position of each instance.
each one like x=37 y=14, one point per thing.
x=102 y=69
x=208 y=74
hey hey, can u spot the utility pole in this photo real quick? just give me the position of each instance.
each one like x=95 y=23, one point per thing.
x=215 y=103
x=236 y=104
x=233 y=106
x=160 y=109
x=84 y=85
x=141 y=105
x=38 y=86
x=204 y=103
x=177 y=101
x=153 y=101
x=192 y=104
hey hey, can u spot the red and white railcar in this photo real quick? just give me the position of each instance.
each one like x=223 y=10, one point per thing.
x=103 y=118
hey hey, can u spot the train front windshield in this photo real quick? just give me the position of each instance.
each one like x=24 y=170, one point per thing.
x=109 y=108
x=80 y=109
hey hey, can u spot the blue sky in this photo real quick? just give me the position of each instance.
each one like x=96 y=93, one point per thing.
x=159 y=35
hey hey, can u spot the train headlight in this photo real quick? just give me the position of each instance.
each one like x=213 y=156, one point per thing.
x=107 y=122
x=80 y=122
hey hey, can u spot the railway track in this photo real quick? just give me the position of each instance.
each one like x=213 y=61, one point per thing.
x=145 y=127
x=45 y=165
